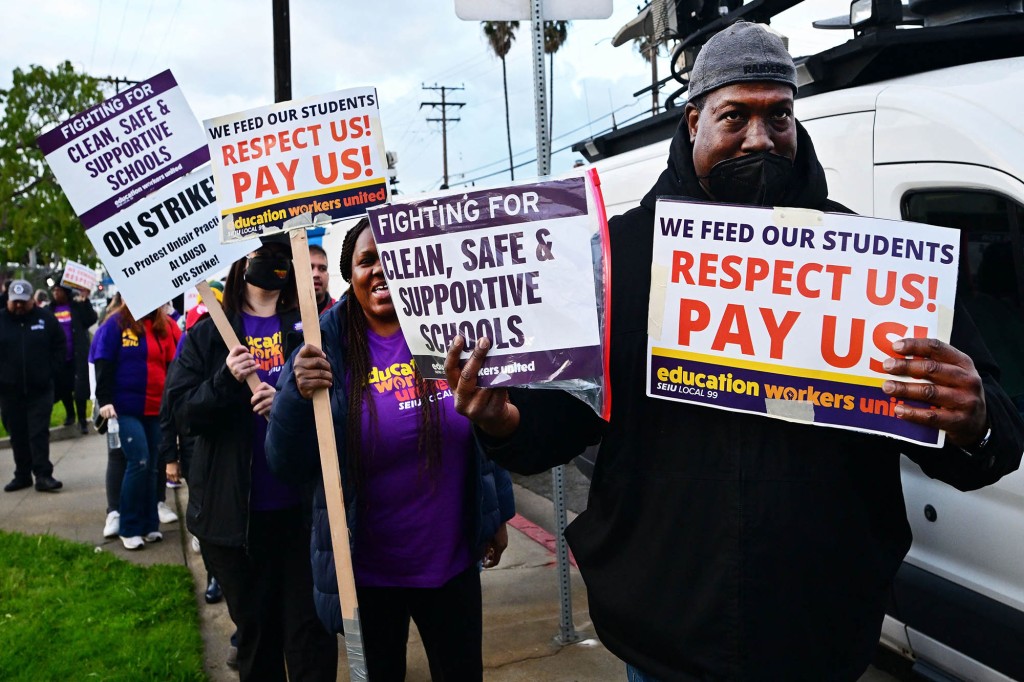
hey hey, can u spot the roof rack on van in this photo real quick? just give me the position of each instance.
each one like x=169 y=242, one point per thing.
x=891 y=39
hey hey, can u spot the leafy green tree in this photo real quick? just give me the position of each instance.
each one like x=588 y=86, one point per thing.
x=500 y=36
x=36 y=219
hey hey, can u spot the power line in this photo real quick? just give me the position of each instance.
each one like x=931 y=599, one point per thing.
x=534 y=159
x=443 y=106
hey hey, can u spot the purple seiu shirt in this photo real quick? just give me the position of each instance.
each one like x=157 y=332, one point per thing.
x=410 y=531
x=264 y=339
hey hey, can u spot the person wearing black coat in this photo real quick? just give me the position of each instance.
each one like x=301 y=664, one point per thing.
x=76 y=316
x=728 y=546
x=253 y=528
x=31 y=353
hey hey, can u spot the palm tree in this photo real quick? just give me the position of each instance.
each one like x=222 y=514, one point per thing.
x=555 y=35
x=500 y=36
x=648 y=49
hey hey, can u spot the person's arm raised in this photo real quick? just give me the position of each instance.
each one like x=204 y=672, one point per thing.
x=488 y=408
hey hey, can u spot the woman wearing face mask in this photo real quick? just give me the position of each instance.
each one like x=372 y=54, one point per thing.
x=251 y=526
x=426 y=508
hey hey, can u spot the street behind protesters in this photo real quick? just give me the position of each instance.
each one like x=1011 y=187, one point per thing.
x=31 y=353
x=131 y=358
x=252 y=527
x=75 y=316
x=425 y=505
x=722 y=545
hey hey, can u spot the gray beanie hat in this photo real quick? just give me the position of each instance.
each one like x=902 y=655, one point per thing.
x=742 y=52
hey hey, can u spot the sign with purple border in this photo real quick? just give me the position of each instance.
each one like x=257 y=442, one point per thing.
x=512 y=264
x=114 y=154
x=789 y=313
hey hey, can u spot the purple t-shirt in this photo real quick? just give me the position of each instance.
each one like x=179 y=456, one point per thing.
x=264 y=339
x=140 y=364
x=63 y=315
x=410 y=531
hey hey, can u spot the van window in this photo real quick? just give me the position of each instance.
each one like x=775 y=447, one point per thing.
x=991 y=279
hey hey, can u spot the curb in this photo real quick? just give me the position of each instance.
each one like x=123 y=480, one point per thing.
x=57 y=433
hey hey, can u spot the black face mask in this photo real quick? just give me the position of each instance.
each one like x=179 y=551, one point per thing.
x=267 y=272
x=754 y=179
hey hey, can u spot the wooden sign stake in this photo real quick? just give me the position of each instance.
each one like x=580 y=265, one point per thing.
x=329 y=465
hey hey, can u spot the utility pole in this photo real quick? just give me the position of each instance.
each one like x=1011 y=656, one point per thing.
x=117 y=82
x=282 y=52
x=443 y=105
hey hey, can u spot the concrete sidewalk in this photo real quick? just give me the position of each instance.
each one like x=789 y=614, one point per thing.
x=520 y=597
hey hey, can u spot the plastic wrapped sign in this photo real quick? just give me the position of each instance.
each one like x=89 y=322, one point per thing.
x=790 y=313
x=524 y=266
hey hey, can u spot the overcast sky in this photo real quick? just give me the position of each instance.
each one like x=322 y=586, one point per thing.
x=221 y=53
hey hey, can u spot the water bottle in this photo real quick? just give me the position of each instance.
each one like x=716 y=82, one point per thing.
x=113 y=434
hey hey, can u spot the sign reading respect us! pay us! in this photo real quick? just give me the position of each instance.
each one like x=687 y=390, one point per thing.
x=512 y=264
x=790 y=313
x=311 y=161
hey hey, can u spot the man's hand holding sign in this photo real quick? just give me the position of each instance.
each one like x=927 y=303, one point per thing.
x=949 y=384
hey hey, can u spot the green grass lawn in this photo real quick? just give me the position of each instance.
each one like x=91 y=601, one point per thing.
x=70 y=613
x=57 y=417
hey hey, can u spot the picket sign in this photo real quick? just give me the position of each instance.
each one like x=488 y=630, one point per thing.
x=227 y=332
x=329 y=464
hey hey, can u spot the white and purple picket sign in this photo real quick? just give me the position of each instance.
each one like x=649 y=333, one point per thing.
x=513 y=264
x=114 y=154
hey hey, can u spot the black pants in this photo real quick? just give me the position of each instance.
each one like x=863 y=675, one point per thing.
x=449 y=621
x=115 y=476
x=269 y=591
x=66 y=391
x=27 y=420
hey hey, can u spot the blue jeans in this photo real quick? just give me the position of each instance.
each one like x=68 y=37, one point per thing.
x=140 y=440
x=635 y=675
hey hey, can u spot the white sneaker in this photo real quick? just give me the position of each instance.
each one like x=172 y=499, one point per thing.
x=195 y=544
x=155 y=536
x=166 y=514
x=134 y=542
x=112 y=525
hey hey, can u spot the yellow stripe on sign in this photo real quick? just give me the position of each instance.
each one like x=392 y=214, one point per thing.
x=765 y=367
x=304 y=195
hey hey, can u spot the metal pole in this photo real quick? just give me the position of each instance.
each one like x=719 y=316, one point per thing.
x=282 y=52
x=540 y=90
x=444 y=137
x=566 y=630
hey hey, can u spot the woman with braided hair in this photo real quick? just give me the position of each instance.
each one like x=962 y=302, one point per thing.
x=425 y=507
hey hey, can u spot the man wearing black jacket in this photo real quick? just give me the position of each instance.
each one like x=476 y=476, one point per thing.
x=31 y=352
x=726 y=546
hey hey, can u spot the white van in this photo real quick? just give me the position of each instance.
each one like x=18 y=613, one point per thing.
x=943 y=146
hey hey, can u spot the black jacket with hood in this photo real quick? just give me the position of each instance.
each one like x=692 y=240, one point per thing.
x=719 y=545
x=207 y=402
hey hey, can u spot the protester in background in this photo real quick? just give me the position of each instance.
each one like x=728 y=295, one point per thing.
x=193 y=315
x=131 y=358
x=719 y=545
x=425 y=505
x=75 y=316
x=252 y=527
x=31 y=353
x=112 y=304
x=321 y=278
